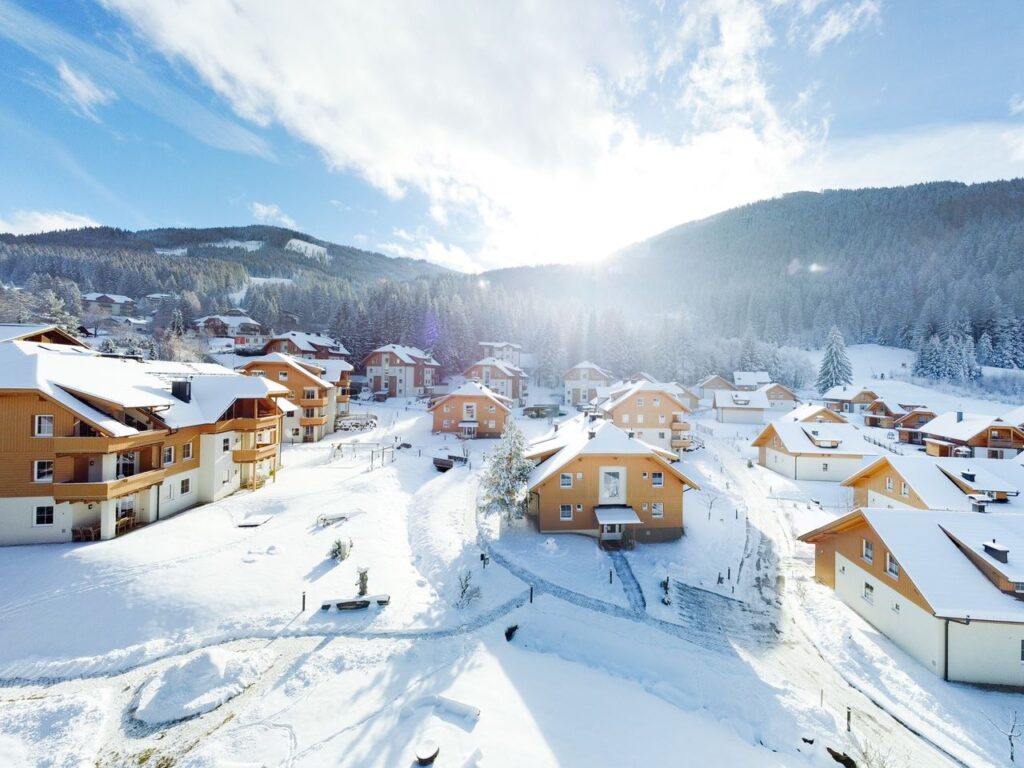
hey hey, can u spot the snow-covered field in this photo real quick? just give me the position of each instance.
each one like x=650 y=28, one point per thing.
x=199 y=622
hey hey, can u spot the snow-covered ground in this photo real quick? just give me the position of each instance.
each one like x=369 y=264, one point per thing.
x=724 y=674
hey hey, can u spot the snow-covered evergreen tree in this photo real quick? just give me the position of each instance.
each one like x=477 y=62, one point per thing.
x=835 y=365
x=984 y=349
x=507 y=473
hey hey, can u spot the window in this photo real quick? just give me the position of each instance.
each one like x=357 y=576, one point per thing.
x=186 y=451
x=565 y=512
x=579 y=475
x=42 y=471
x=661 y=435
x=491 y=424
x=44 y=515
x=888 y=483
x=661 y=418
x=225 y=445
x=824 y=467
x=447 y=408
x=658 y=479
x=658 y=509
x=168 y=455
x=227 y=477
x=639 y=402
x=895 y=606
x=186 y=486
x=868 y=593
x=565 y=480
x=867 y=550
x=625 y=418
x=446 y=423
x=309 y=393
x=904 y=489
x=282 y=375
x=639 y=418
x=44 y=426
x=1022 y=650
x=492 y=409
x=656 y=402
x=891 y=566
x=257 y=373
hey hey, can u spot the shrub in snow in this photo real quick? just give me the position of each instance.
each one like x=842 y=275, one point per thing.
x=199 y=683
x=364 y=581
x=340 y=550
x=468 y=591
x=510 y=632
x=507 y=473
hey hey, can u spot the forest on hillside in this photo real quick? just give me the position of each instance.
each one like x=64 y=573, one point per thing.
x=914 y=266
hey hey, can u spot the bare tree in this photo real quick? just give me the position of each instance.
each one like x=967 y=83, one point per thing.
x=710 y=498
x=1012 y=728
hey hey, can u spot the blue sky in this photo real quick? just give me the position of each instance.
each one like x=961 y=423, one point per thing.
x=487 y=135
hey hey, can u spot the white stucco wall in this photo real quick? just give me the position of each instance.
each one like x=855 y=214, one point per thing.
x=912 y=628
x=876 y=499
x=983 y=652
x=218 y=466
x=838 y=468
x=780 y=462
x=172 y=500
x=17 y=521
x=740 y=415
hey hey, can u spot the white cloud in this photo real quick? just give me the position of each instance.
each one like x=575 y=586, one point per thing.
x=30 y=222
x=271 y=213
x=424 y=246
x=840 y=22
x=125 y=76
x=80 y=92
x=516 y=123
x=1016 y=104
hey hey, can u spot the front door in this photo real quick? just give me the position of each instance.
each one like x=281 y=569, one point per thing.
x=392 y=386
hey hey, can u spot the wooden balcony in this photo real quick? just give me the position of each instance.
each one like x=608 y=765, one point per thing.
x=681 y=442
x=104 y=490
x=312 y=421
x=313 y=402
x=680 y=426
x=995 y=443
x=343 y=398
x=102 y=444
x=250 y=455
x=252 y=424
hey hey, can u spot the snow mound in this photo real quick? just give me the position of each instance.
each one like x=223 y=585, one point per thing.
x=52 y=731
x=199 y=683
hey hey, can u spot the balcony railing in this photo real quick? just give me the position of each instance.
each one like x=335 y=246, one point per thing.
x=313 y=402
x=109 y=489
x=250 y=424
x=312 y=421
x=250 y=455
x=104 y=444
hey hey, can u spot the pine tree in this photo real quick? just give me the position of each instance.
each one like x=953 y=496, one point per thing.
x=507 y=473
x=984 y=349
x=835 y=365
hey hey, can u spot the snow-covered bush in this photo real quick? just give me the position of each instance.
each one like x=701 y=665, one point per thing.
x=468 y=591
x=340 y=550
x=364 y=581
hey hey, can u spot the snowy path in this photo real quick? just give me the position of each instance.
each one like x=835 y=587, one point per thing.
x=635 y=595
x=796 y=658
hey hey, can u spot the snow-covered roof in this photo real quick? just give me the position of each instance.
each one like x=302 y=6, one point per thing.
x=407 y=355
x=825 y=438
x=512 y=371
x=508 y=344
x=589 y=366
x=948 y=483
x=115 y=298
x=67 y=374
x=304 y=367
x=959 y=426
x=616 y=514
x=12 y=331
x=847 y=392
x=1015 y=417
x=310 y=342
x=472 y=389
x=766 y=388
x=750 y=378
x=599 y=438
x=949 y=582
x=888 y=406
x=715 y=378
x=333 y=369
x=754 y=400
x=232 y=322
x=808 y=412
x=639 y=389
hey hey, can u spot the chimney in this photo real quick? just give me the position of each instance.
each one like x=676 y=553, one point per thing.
x=591 y=434
x=968 y=475
x=631 y=434
x=959 y=416
x=997 y=551
x=182 y=389
x=979 y=503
